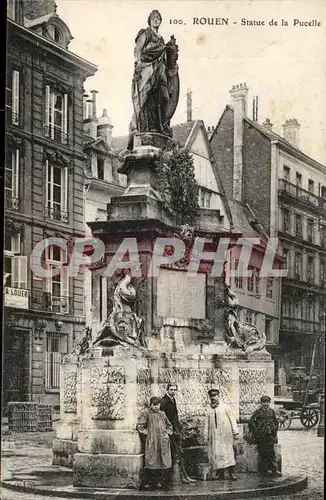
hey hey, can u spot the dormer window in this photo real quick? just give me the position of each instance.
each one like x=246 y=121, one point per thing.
x=55 y=33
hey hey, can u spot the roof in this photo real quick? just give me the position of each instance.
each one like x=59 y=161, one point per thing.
x=182 y=131
x=241 y=217
x=88 y=68
x=29 y=23
x=120 y=142
x=273 y=136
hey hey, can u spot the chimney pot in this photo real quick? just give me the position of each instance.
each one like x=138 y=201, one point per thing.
x=291 y=130
x=268 y=124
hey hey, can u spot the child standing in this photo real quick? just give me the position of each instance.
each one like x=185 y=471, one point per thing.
x=155 y=425
x=263 y=425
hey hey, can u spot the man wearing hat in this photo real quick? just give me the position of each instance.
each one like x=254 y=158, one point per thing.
x=263 y=425
x=220 y=432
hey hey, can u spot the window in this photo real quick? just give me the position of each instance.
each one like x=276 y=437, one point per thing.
x=298 y=225
x=56 y=115
x=12 y=179
x=298 y=309
x=15 y=266
x=286 y=220
x=286 y=173
x=268 y=328
x=298 y=266
x=249 y=317
x=310 y=269
x=310 y=230
x=100 y=168
x=12 y=97
x=238 y=280
x=253 y=281
x=298 y=179
x=311 y=186
x=286 y=308
x=323 y=192
x=322 y=272
x=56 y=192
x=323 y=236
x=58 y=286
x=269 y=288
x=205 y=198
x=286 y=254
x=310 y=310
x=56 y=347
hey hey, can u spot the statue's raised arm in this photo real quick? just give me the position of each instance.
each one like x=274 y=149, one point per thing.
x=155 y=83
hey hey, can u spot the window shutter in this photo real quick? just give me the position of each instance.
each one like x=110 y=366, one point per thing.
x=15 y=97
x=51 y=115
x=65 y=119
x=15 y=174
x=47 y=111
x=15 y=243
x=65 y=290
x=19 y=268
x=64 y=190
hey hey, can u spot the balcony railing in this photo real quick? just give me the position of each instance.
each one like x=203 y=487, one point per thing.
x=56 y=133
x=11 y=202
x=55 y=213
x=300 y=325
x=301 y=194
x=40 y=301
x=45 y=301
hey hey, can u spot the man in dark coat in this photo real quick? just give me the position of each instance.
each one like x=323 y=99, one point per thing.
x=169 y=406
x=263 y=425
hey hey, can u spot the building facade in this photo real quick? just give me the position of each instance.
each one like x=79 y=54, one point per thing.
x=44 y=182
x=291 y=202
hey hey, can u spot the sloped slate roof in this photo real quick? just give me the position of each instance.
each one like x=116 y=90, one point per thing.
x=182 y=131
x=241 y=219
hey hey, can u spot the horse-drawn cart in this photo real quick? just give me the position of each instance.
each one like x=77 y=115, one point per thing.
x=288 y=409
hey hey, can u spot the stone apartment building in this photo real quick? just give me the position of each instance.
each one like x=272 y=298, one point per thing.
x=287 y=189
x=44 y=179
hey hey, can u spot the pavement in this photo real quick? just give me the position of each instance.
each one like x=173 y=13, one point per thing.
x=302 y=454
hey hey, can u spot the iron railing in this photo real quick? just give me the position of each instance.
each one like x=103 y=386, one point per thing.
x=55 y=213
x=11 y=202
x=301 y=194
x=55 y=133
x=301 y=325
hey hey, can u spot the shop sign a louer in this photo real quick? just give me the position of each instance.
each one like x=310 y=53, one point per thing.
x=16 y=297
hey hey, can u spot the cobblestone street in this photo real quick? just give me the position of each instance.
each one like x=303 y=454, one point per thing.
x=302 y=453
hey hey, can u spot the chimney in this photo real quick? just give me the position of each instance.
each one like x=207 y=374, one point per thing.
x=90 y=123
x=268 y=124
x=94 y=92
x=238 y=94
x=210 y=130
x=255 y=109
x=104 y=127
x=189 y=105
x=85 y=110
x=291 y=131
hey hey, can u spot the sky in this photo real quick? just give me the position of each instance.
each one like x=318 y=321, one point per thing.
x=284 y=66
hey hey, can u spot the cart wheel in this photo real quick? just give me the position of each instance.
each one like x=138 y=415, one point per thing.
x=284 y=420
x=309 y=417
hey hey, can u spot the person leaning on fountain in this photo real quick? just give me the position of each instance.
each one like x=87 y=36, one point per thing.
x=155 y=425
x=169 y=406
x=263 y=426
x=220 y=432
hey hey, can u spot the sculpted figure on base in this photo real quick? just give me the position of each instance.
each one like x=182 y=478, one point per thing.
x=241 y=335
x=123 y=326
x=155 y=84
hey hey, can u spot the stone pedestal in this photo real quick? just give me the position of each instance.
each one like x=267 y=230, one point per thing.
x=112 y=391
